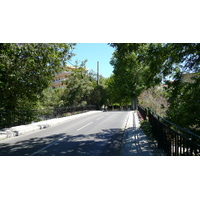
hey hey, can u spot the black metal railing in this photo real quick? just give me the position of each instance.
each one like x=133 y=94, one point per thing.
x=174 y=140
x=142 y=112
x=9 y=118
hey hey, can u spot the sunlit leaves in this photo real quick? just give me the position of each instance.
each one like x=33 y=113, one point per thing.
x=27 y=69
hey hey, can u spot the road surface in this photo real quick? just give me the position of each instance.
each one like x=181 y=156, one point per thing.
x=98 y=134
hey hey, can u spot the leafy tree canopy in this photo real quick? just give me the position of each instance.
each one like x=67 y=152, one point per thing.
x=27 y=69
x=131 y=70
x=141 y=66
x=185 y=105
x=78 y=86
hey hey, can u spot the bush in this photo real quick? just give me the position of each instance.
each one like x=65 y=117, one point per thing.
x=147 y=128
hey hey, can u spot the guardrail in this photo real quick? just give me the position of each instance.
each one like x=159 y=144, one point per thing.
x=11 y=118
x=174 y=140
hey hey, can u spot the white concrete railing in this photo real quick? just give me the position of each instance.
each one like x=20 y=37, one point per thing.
x=23 y=129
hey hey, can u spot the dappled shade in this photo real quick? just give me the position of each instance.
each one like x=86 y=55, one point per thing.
x=104 y=143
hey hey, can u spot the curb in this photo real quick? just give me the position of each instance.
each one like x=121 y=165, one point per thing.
x=135 y=142
x=129 y=124
x=23 y=129
x=129 y=121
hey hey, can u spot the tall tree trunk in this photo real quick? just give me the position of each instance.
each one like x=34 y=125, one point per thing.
x=134 y=103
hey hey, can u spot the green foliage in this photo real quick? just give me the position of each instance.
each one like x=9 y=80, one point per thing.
x=26 y=70
x=138 y=67
x=131 y=70
x=113 y=93
x=49 y=99
x=98 y=96
x=183 y=97
x=184 y=106
x=147 y=128
x=82 y=89
x=172 y=59
x=78 y=87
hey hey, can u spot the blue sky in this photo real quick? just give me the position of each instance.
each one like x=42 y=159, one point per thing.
x=94 y=52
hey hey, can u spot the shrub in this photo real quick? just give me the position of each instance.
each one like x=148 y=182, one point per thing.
x=147 y=128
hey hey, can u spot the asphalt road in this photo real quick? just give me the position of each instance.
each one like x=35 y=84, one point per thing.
x=98 y=134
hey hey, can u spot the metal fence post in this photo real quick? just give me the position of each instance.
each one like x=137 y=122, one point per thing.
x=173 y=139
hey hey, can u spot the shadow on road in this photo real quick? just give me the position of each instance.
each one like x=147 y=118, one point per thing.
x=104 y=143
x=136 y=143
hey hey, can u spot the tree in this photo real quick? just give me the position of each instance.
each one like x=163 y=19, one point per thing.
x=26 y=70
x=111 y=90
x=98 y=96
x=156 y=99
x=184 y=106
x=78 y=86
x=114 y=95
x=131 y=71
x=51 y=98
x=140 y=66
x=173 y=61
